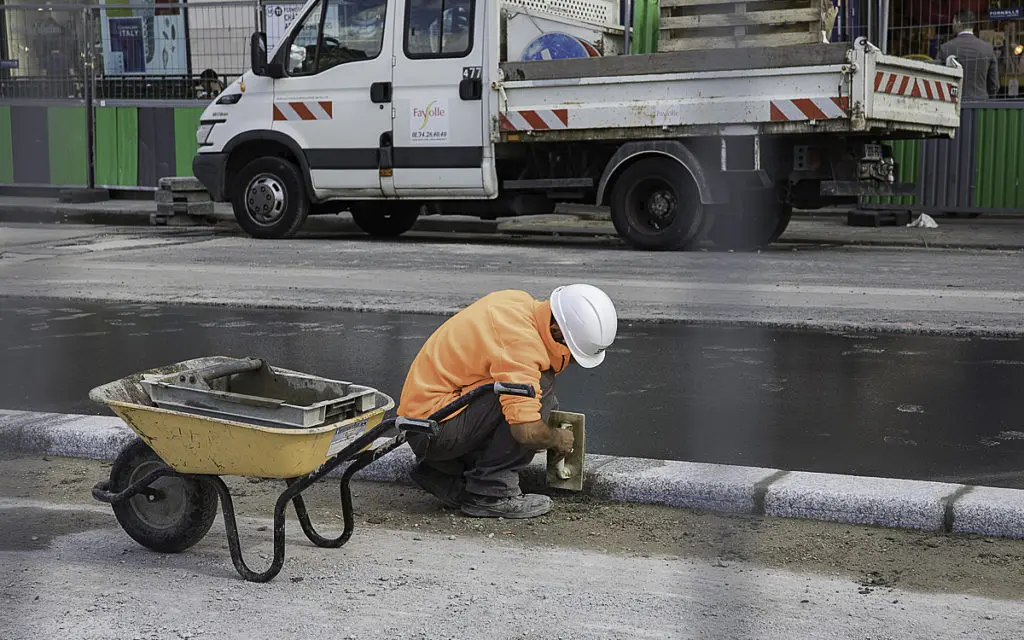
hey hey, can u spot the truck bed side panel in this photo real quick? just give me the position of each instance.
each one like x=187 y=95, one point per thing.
x=794 y=94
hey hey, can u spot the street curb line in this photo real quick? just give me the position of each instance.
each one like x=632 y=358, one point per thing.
x=730 y=489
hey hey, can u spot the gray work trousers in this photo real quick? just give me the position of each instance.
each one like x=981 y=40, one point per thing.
x=478 y=445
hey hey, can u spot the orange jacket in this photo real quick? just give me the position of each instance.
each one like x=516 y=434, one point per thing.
x=503 y=337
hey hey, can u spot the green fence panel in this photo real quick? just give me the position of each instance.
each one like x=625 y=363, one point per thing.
x=186 y=121
x=645 y=27
x=128 y=146
x=999 y=159
x=69 y=155
x=907 y=154
x=106 y=146
x=6 y=147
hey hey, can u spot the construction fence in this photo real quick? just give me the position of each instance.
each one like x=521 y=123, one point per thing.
x=110 y=94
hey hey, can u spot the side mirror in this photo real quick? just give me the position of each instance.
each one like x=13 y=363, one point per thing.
x=258 y=57
x=258 y=53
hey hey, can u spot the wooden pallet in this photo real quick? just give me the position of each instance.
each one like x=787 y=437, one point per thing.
x=686 y=25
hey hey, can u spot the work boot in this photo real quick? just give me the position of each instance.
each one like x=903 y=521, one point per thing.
x=529 y=505
x=446 y=488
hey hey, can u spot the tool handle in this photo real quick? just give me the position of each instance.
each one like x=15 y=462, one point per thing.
x=220 y=370
x=514 y=389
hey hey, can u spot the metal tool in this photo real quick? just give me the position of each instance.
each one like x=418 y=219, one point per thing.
x=567 y=472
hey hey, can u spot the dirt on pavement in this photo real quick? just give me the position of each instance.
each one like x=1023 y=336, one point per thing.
x=874 y=558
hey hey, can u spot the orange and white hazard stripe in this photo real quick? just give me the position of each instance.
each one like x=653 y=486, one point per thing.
x=898 y=84
x=801 y=109
x=535 y=120
x=319 y=110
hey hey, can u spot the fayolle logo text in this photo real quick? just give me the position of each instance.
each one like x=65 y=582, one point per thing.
x=433 y=110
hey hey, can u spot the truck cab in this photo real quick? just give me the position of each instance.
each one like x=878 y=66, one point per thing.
x=362 y=102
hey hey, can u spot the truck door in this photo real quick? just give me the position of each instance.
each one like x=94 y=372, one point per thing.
x=335 y=98
x=441 y=136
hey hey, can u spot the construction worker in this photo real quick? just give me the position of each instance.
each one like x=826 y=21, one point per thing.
x=473 y=463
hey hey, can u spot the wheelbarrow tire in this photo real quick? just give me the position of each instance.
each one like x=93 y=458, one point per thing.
x=178 y=519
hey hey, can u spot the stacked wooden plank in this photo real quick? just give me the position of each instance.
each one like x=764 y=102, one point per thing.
x=686 y=25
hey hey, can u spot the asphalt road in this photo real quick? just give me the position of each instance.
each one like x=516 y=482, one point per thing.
x=815 y=285
x=922 y=407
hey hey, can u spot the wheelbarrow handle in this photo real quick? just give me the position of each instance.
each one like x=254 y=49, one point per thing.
x=499 y=388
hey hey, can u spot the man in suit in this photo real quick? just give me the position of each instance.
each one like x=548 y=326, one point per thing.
x=981 y=73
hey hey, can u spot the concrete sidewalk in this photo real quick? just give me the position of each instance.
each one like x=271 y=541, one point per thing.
x=929 y=506
x=826 y=227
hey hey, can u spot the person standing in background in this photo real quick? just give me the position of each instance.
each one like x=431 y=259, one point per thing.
x=978 y=58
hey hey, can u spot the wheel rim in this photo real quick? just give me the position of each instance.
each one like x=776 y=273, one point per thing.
x=165 y=509
x=653 y=206
x=265 y=200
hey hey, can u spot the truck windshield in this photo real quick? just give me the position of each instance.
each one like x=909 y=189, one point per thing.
x=342 y=31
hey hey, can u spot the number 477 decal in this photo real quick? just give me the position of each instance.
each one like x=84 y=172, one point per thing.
x=472 y=73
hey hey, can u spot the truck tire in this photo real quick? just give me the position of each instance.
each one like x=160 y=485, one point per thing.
x=380 y=224
x=756 y=220
x=177 y=519
x=656 y=206
x=270 y=199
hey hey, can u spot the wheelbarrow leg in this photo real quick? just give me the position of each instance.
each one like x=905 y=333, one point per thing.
x=231 y=529
x=359 y=462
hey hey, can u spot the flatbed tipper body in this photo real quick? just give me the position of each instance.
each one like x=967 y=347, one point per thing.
x=412 y=112
x=801 y=89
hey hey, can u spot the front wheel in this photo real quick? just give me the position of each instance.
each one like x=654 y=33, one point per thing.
x=173 y=514
x=656 y=205
x=380 y=224
x=269 y=198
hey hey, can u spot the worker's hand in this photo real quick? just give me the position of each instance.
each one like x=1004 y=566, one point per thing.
x=563 y=442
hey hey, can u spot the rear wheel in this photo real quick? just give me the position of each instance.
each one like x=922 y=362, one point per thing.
x=391 y=224
x=656 y=205
x=173 y=514
x=754 y=220
x=269 y=198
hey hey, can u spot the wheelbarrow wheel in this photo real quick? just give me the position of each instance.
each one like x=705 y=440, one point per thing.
x=176 y=514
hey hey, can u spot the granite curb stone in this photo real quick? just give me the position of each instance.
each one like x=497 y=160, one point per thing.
x=931 y=506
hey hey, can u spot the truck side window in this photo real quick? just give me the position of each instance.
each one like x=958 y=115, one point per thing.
x=439 y=28
x=340 y=31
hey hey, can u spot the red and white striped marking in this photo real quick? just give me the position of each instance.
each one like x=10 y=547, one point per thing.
x=539 y=120
x=799 y=109
x=900 y=85
x=322 y=110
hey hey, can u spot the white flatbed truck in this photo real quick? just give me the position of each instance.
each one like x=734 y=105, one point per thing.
x=392 y=109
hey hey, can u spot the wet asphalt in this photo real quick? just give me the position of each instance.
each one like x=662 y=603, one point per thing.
x=923 y=407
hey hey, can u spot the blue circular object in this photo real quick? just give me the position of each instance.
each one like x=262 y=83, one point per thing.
x=556 y=46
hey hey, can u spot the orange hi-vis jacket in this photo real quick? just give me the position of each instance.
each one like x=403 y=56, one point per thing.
x=503 y=337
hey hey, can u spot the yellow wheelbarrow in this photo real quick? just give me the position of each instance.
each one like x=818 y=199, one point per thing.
x=201 y=419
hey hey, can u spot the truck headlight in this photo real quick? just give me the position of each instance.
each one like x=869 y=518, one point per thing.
x=203 y=133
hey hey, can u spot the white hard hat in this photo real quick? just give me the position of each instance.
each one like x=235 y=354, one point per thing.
x=586 y=316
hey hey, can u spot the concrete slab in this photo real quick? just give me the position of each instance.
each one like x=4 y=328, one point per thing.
x=860 y=500
x=990 y=511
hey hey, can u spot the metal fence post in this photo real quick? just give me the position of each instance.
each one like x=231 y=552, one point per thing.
x=89 y=89
x=627 y=45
